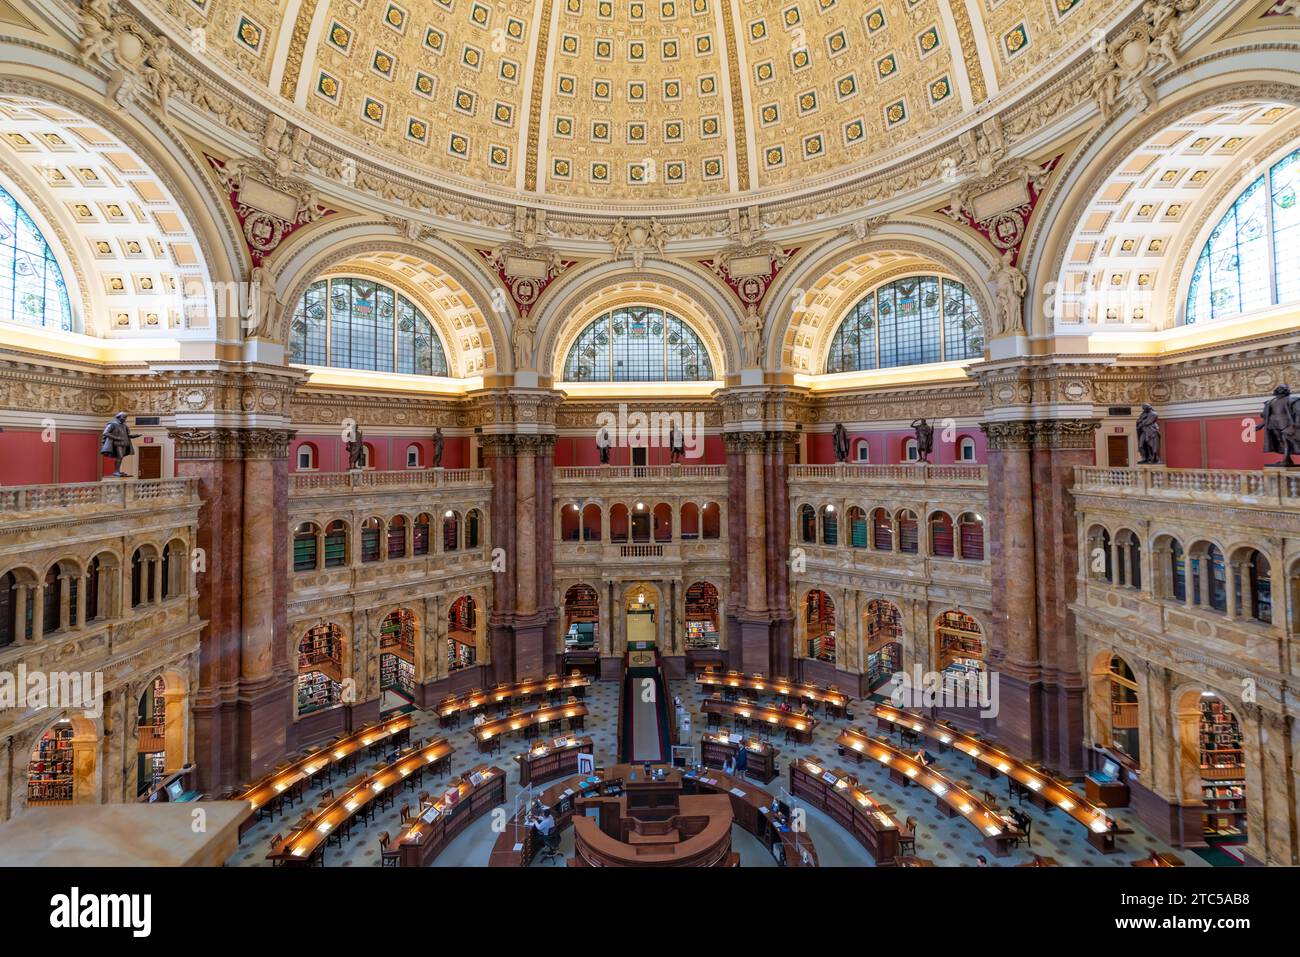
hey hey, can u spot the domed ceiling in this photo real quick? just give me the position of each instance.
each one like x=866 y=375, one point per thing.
x=645 y=100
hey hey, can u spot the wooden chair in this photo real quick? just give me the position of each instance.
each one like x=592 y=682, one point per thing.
x=907 y=837
x=388 y=857
x=275 y=846
x=406 y=814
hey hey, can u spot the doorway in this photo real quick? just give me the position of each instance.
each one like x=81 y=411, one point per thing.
x=640 y=605
x=1117 y=451
x=150 y=461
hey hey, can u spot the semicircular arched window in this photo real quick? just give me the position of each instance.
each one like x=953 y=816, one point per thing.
x=909 y=321
x=638 y=344
x=352 y=323
x=1252 y=258
x=32 y=290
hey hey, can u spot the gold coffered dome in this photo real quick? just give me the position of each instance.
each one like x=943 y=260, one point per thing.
x=638 y=100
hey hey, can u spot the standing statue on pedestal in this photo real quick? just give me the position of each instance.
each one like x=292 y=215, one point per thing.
x=924 y=439
x=1279 y=426
x=116 y=442
x=1148 y=436
x=356 y=450
x=437 y=447
x=840 y=442
x=602 y=444
x=676 y=443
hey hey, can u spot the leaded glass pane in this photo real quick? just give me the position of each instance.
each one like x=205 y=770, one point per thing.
x=1285 y=207
x=32 y=290
x=637 y=344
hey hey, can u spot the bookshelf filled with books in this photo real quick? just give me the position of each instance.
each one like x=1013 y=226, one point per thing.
x=702 y=616
x=1223 y=770
x=317 y=691
x=819 y=616
x=49 y=773
x=960 y=643
x=397 y=634
x=396 y=675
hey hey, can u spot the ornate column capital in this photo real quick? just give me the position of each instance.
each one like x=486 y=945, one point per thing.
x=1021 y=436
x=533 y=444
x=227 y=443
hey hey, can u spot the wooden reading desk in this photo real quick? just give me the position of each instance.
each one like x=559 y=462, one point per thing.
x=527 y=723
x=575 y=685
x=834 y=701
x=1044 y=791
x=999 y=833
x=301 y=847
x=268 y=791
x=1159 y=860
x=853 y=808
x=545 y=760
x=760 y=715
x=478 y=791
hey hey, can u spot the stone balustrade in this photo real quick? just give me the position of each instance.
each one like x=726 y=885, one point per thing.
x=325 y=483
x=973 y=476
x=1274 y=488
x=587 y=474
x=84 y=498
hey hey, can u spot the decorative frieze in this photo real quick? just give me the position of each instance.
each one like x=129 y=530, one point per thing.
x=1046 y=434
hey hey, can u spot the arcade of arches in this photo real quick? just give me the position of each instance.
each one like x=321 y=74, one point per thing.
x=433 y=383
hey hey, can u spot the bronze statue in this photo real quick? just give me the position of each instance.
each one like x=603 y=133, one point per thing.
x=437 y=447
x=356 y=450
x=602 y=443
x=1148 y=436
x=924 y=439
x=1279 y=426
x=676 y=443
x=116 y=442
x=840 y=442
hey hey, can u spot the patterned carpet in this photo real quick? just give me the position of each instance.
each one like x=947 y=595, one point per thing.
x=946 y=841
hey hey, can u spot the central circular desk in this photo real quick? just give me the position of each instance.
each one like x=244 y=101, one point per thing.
x=750 y=807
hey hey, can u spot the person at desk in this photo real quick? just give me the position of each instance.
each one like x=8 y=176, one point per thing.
x=981 y=861
x=742 y=759
x=920 y=758
x=480 y=719
x=545 y=825
x=804 y=710
x=784 y=705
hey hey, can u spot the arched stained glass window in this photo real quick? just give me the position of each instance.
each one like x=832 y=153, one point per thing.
x=907 y=322
x=360 y=324
x=638 y=344
x=32 y=290
x=1252 y=258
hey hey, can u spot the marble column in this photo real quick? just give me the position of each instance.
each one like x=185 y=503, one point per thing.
x=526 y=524
x=499 y=459
x=174 y=715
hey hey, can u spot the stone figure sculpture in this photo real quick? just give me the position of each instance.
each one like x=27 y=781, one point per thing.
x=356 y=450
x=1280 y=418
x=602 y=444
x=1148 y=436
x=676 y=443
x=437 y=447
x=840 y=442
x=116 y=442
x=924 y=439
x=1011 y=286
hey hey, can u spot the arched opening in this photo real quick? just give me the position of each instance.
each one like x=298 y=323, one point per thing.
x=570 y=523
x=368 y=456
x=51 y=605
x=807 y=525
x=307 y=457
x=473 y=526
x=591 y=523
x=1169 y=568
x=690 y=522
x=8 y=607
x=1122 y=706
x=103 y=580
x=420 y=534
x=1252 y=585
x=862 y=452
x=1128 y=559
x=414 y=456
x=146 y=576
x=942 y=543
x=908 y=532
x=321 y=656
x=1208 y=576
x=640 y=610
x=371 y=531
x=450 y=530
x=970 y=527
x=663 y=522
x=640 y=524
x=702 y=618
x=857 y=521
x=911 y=451
x=618 y=523
x=174 y=564
x=882 y=530
x=397 y=537
x=1213 y=767
x=63 y=762
x=161 y=735
x=819 y=626
x=1100 y=560
x=830 y=525
x=306 y=538
x=462 y=634
x=959 y=645
x=711 y=521
x=581 y=617
x=965 y=449
x=883 y=627
x=397 y=661
x=336 y=544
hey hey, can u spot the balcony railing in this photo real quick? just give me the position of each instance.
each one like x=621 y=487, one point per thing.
x=919 y=474
x=325 y=482
x=1268 y=487
x=82 y=496
x=618 y=473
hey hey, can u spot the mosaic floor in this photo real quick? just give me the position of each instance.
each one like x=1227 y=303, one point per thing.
x=946 y=841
